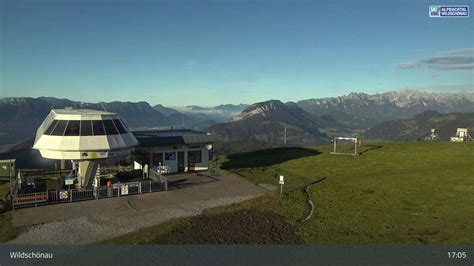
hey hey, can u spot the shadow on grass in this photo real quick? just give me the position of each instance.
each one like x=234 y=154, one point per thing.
x=370 y=148
x=266 y=157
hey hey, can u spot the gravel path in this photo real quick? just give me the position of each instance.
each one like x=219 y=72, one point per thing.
x=95 y=228
x=135 y=212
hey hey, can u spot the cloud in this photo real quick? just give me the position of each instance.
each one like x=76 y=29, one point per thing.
x=461 y=59
x=460 y=87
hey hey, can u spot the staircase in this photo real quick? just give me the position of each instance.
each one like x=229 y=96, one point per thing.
x=92 y=171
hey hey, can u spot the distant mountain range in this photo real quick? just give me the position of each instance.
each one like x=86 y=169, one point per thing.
x=307 y=121
x=360 y=110
x=20 y=117
x=419 y=126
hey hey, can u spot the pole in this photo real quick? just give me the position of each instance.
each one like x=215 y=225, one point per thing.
x=281 y=190
x=10 y=178
x=356 y=143
x=334 y=145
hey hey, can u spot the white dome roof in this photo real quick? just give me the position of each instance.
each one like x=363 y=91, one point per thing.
x=83 y=134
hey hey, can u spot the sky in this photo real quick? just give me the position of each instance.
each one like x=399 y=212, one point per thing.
x=207 y=53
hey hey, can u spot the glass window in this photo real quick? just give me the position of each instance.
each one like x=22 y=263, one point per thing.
x=60 y=127
x=118 y=124
x=194 y=156
x=98 y=127
x=51 y=127
x=110 y=127
x=72 y=128
x=86 y=128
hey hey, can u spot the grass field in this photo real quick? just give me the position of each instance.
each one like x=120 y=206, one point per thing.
x=393 y=193
x=7 y=230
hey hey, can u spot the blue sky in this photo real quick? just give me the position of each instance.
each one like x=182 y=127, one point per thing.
x=210 y=52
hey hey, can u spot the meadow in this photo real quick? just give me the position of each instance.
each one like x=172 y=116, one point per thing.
x=392 y=193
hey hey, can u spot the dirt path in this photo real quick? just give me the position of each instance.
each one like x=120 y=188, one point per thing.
x=310 y=201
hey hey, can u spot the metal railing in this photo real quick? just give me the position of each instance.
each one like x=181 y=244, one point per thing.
x=29 y=200
x=156 y=174
x=45 y=173
x=74 y=195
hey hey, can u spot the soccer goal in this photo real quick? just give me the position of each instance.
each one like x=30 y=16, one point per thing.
x=344 y=145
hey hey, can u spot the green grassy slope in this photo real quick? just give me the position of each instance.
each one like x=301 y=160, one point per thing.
x=394 y=193
x=7 y=230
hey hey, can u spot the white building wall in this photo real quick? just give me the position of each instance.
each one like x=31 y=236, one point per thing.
x=173 y=164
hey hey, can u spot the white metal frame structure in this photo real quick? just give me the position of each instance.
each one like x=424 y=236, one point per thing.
x=354 y=140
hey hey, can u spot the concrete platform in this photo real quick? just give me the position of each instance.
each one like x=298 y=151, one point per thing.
x=95 y=220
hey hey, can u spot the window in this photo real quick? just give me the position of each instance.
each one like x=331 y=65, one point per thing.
x=86 y=128
x=194 y=156
x=60 y=127
x=51 y=127
x=72 y=128
x=118 y=124
x=110 y=128
x=98 y=127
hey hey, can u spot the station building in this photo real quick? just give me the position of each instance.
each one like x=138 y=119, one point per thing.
x=178 y=150
x=89 y=137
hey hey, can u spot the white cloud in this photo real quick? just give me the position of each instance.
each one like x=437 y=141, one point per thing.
x=461 y=59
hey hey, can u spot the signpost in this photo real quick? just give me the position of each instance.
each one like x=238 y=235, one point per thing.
x=68 y=182
x=282 y=181
x=124 y=190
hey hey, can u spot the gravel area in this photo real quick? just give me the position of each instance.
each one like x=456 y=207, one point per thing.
x=128 y=213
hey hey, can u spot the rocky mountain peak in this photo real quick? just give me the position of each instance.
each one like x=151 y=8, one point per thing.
x=259 y=108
